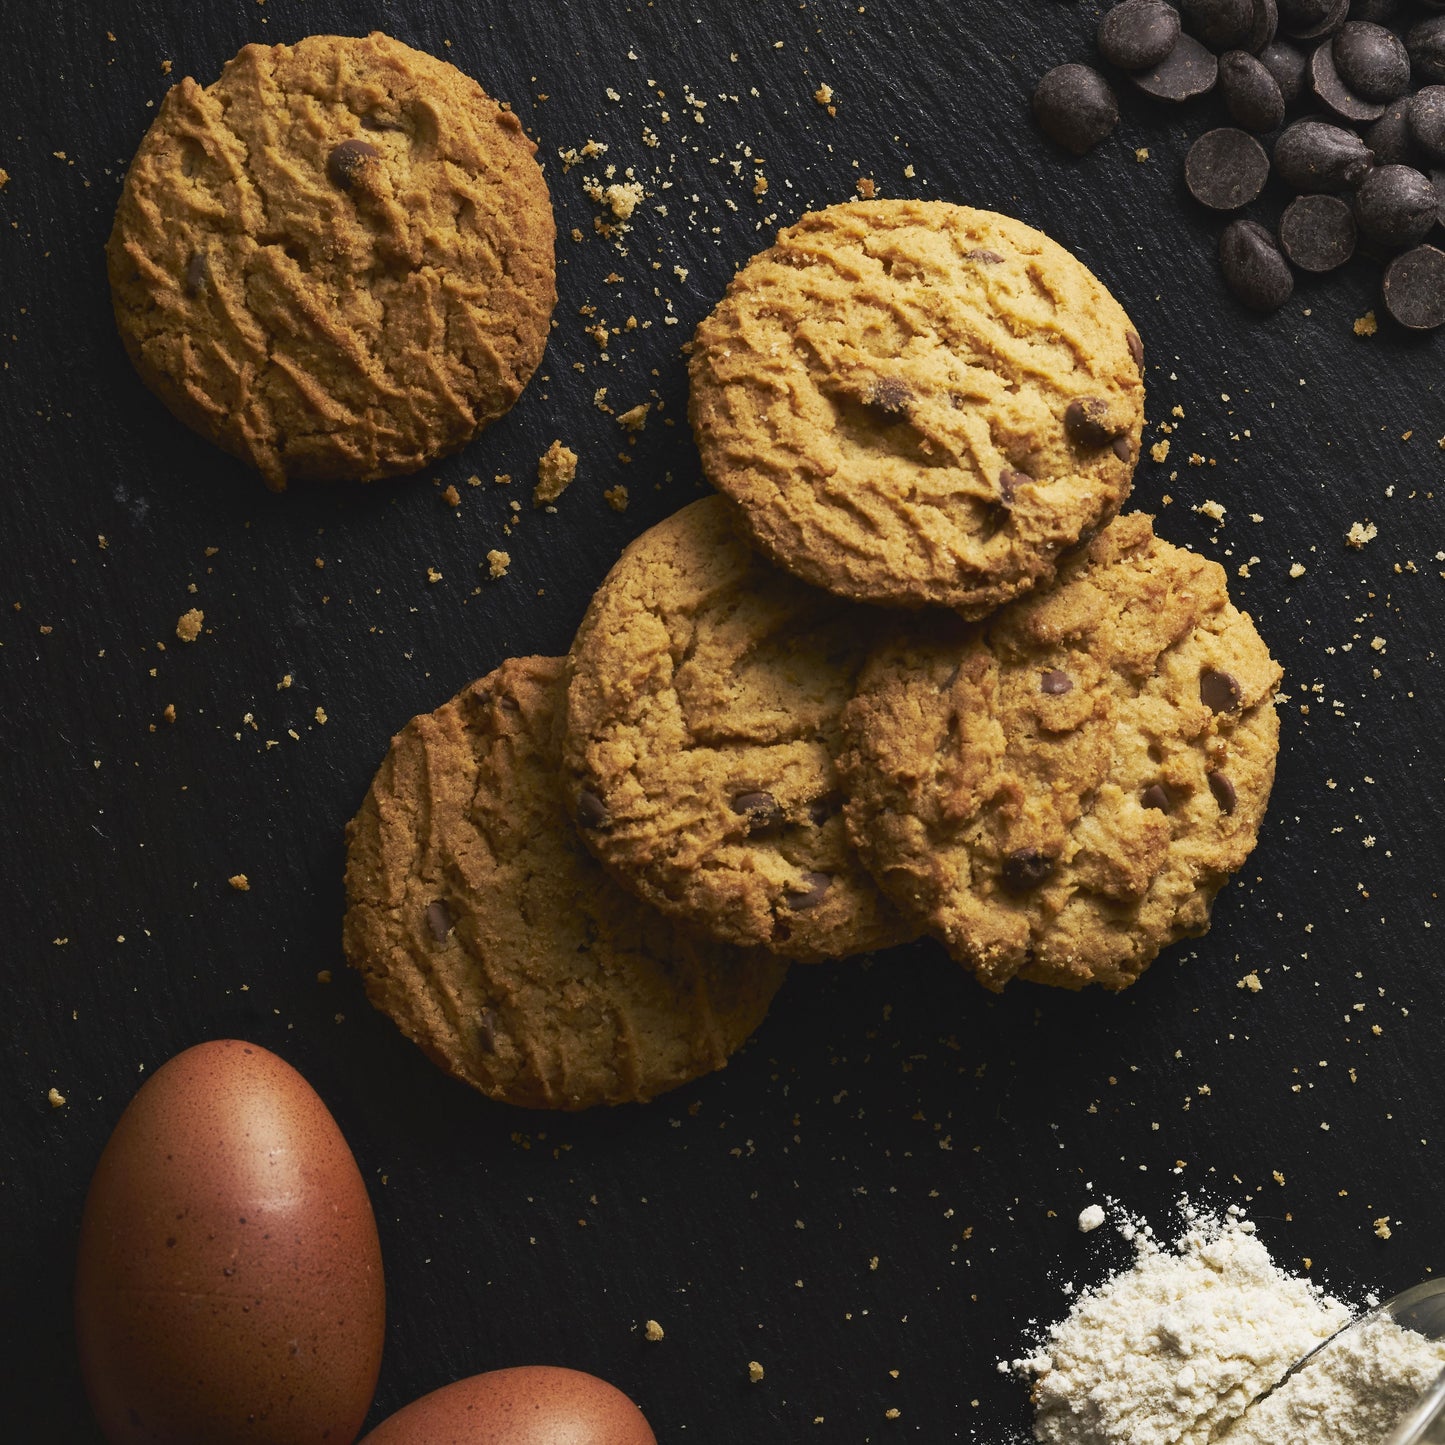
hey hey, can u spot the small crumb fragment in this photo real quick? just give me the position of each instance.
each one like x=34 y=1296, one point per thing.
x=866 y=187
x=284 y=683
x=57 y=1099
x=433 y=576
x=1213 y=510
x=165 y=67
x=635 y=417
x=169 y=712
x=652 y=1330
x=1091 y=1218
x=1360 y=533
x=616 y=497
x=4 y=178
x=1296 y=569
x=824 y=95
x=556 y=468
x=188 y=627
x=1251 y=982
x=1366 y=325
x=502 y=479
x=239 y=882
x=321 y=716
x=1382 y=1227
x=1141 y=154
x=755 y=1371
x=1160 y=450
x=452 y=497
x=498 y=562
x=1277 y=1177
x=323 y=975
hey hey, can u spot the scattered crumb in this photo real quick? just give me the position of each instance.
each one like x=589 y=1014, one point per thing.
x=1091 y=1218
x=498 y=562
x=239 y=882
x=755 y=1371
x=1251 y=982
x=1213 y=510
x=1141 y=154
x=616 y=497
x=57 y=1099
x=555 y=470
x=165 y=67
x=169 y=712
x=321 y=716
x=4 y=178
x=502 y=479
x=452 y=497
x=474 y=480
x=188 y=627
x=652 y=1330
x=1360 y=533
x=824 y=95
x=1382 y=1227
x=1160 y=450
x=284 y=683
x=1366 y=325
x=433 y=576
x=1296 y=569
x=866 y=188
x=635 y=418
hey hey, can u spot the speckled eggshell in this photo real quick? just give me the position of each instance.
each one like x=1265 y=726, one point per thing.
x=229 y=1284
x=529 y=1405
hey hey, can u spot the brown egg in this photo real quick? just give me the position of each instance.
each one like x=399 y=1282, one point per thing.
x=229 y=1282
x=530 y=1405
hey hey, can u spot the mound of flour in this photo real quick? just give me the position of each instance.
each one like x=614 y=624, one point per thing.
x=1172 y=1350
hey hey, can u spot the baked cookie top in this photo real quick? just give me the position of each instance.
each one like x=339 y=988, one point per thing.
x=701 y=728
x=486 y=930
x=1059 y=792
x=337 y=260
x=914 y=402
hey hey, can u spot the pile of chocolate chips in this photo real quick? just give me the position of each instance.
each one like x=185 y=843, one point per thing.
x=1367 y=167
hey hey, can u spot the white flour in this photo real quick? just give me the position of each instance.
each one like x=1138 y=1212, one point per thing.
x=1172 y=1350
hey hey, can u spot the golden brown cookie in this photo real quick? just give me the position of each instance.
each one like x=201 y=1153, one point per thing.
x=918 y=403
x=486 y=930
x=337 y=260
x=1059 y=792
x=702 y=724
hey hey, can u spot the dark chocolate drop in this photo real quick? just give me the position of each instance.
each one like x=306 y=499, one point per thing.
x=1026 y=869
x=591 y=810
x=1223 y=791
x=1218 y=691
x=347 y=161
x=439 y=920
x=1055 y=682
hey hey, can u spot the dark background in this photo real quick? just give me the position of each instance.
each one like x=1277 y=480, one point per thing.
x=889 y=1109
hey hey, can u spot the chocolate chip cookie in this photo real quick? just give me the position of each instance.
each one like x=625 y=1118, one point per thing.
x=918 y=403
x=702 y=723
x=1059 y=792
x=337 y=260
x=486 y=930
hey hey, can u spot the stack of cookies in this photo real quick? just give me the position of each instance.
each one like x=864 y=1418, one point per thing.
x=907 y=674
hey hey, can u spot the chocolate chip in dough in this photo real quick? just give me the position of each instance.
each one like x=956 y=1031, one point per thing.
x=1371 y=60
x=347 y=161
x=1136 y=347
x=591 y=810
x=1138 y=34
x=1396 y=205
x=1086 y=420
x=1317 y=233
x=1158 y=797
x=1026 y=869
x=1223 y=791
x=1075 y=108
x=1414 y=288
x=814 y=887
x=1187 y=71
x=760 y=809
x=1253 y=267
x=438 y=920
x=1055 y=682
x=1219 y=691
x=1226 y=169
x=1251 y=94
x=198 y=274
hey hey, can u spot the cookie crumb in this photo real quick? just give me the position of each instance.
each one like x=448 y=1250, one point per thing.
x=755 y=1371
x=1141 y=154
x=321 y=716
x=635 y=418
x=188 y=626
x=502 y=479
x=1366 y=325
x=1160 y=450
x=1382 y=1227
x=498 y=562
x=1091 y=1218
x=4 y=178
x=57 y=1099
x=323 y=975
x=239 y=882
x=616 y=497
x=652 y=1330
x=169 y=712
x=1296 y=569
x=1251 y=982
x=866 y=188
x=433 y=576
x=452 y=497
x=1360 y=533
x=284 y=683
x=165 y=67
x=556 y=469
x=824 y=95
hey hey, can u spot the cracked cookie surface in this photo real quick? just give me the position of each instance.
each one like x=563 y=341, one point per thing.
x=337 y=260
x=496 y=942
x=918 y=403
x=701 y=729
x=1059 y=792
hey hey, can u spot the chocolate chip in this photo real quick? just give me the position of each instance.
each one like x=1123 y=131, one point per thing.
x=1333 y=91
x=198 y=274
x=1219 y=691
x=890 y=394
x=760 y=809
x=1188 y=70
x=1074 y=107
x=1288 y=64
x=821 y=809
x=439 y=919
x=987 y=258
x=1138 y=34
x=1251 y=94
x=1331 y=15
x=811 y=894
x=591 y=810
x=1425 y=45
x=1371 y=60
x=1136 y=347
x=1220 y=24
x=1009 y=481
x=1223 y=791
x=1390 y=137
x=1056 y=682
x=347 y=161
x=1318 y=232
x=1086 y=419
x=1427 y=120
x=1415 y=288
x=1122 y=449
x=1025 y=869
x=1437 y=179
x=1396 y=205
x=1253 y=267
x=487 y=1031
x=1158 y=797
x=1313 y=155
x=1226 y=169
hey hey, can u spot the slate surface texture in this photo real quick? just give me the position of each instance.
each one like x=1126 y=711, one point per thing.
x=880 y=1194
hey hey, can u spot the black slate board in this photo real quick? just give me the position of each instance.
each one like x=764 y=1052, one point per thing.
x=879 y=1195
